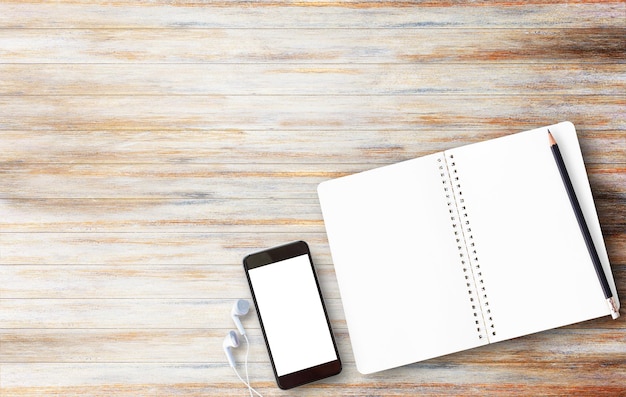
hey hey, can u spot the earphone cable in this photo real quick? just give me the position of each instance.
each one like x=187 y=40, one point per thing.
x=246 y=363
x=247 y=384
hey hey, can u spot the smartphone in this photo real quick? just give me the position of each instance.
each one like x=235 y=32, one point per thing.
x=292 y=314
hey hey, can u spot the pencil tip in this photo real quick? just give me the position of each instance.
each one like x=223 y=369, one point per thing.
x=551 y=139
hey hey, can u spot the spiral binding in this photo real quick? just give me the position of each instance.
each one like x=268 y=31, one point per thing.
x=466 y=245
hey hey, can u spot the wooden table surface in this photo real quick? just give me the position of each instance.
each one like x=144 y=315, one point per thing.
x=146 y=148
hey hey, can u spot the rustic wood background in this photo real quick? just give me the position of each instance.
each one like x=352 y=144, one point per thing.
x=145 y=148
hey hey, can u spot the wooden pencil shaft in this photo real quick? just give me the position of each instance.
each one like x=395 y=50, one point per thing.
x=593 y=253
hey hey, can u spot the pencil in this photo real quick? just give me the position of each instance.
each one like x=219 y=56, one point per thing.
x=593 y=253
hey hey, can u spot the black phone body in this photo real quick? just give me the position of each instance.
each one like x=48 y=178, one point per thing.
x=292 y=314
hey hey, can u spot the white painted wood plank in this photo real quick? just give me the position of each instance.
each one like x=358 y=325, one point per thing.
x=306 y=113
x=148 y=249
x=190 y=159
x=299 y=79
x=307 y=14
x=313 y=45
x=219 y=379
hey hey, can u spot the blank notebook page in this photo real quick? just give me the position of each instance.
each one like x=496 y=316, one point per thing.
x=397 y=265
x=535 y=265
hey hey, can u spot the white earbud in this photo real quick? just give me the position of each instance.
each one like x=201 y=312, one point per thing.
x=240 y=308
x=230 y=341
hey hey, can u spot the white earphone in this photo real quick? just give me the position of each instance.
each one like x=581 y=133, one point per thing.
x=231 y=341
x=240 y=308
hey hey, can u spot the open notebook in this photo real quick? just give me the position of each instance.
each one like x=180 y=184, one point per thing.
x=463 y=248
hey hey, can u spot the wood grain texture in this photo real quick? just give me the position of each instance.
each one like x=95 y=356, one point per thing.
x=145 y=148
x=127 y=14
x=400 y=79
x=313 y=46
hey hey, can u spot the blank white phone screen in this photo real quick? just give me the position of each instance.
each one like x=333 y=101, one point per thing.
x=290 y=307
